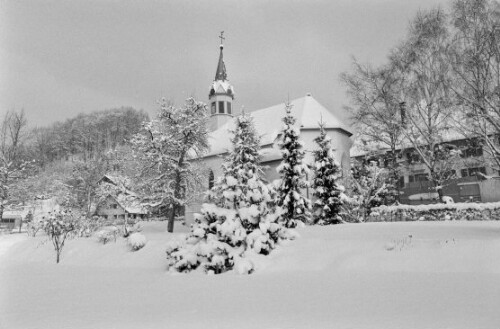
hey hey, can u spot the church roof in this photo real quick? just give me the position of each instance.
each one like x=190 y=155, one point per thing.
x=308 y=111
x=221 y=74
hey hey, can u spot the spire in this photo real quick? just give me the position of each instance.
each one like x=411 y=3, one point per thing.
x=221 y=68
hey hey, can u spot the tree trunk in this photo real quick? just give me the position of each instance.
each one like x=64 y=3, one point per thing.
x=171 y=220
x=440 y=194
x=125 y=222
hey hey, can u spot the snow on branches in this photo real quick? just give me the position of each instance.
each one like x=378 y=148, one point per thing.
x=241 y=219
x=296 y=208
x=326 y=190
x=60 y=226
x=166 y=145
x=369 y=188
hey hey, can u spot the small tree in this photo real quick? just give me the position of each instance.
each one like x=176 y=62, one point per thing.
x=293 y=173
x=326 y=190
x=60 y=226
x=368 y=187
x=166 y=146
x=241 y=217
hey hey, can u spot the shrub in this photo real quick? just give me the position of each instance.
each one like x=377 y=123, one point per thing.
x=437 y=212
x=60 y=226
x=136 y=241
x=106 y=235
x=88 y=225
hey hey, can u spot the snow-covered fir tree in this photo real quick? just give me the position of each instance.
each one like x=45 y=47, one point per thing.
x=296 y=207
x=240 y=221
x=326 y=190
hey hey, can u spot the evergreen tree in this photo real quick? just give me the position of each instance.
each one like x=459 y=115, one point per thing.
x=240 y=219
x=293 y=174
x=326 y=189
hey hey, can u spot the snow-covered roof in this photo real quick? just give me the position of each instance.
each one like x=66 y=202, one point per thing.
x=118 y=181
x=308 y=111
x=359 y=149
x=131 y=204
x=222 y=87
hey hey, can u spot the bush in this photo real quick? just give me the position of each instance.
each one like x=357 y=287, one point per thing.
x=136 y=241
x=89 y=225
x=437 y=212
x=106 y=235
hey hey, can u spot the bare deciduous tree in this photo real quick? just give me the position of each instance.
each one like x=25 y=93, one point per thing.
x=425 y=78
x=475 y=59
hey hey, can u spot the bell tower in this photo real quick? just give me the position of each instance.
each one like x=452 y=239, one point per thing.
x=221 y=96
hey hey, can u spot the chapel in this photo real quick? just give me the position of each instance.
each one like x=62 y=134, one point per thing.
x=308 y=111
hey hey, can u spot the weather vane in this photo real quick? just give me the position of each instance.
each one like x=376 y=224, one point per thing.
x=222 y=37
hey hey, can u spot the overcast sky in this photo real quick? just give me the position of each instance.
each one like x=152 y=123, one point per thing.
x=60 y=58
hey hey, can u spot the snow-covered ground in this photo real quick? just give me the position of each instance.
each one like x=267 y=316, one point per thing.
x=374 y=275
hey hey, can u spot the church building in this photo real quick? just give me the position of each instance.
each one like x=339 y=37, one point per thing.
x=308 y=111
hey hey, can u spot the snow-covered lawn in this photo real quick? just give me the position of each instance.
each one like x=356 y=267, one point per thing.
x=447 y=275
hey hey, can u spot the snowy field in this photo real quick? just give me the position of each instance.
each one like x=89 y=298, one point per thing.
x=446 y=275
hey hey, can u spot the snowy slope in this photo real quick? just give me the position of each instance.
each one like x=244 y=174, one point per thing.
x=346 y=276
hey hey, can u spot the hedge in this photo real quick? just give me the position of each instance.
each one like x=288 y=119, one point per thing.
x=436 y=212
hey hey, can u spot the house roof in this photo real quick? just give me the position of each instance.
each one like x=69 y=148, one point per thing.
x=12 y=214
x=131 y=204
x=359 y=149
x=117 y=181
x=308 y=111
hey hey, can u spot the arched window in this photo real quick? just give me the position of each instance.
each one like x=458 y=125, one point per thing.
x=210 y=179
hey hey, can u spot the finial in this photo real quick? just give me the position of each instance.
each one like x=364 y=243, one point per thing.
x=221 y=37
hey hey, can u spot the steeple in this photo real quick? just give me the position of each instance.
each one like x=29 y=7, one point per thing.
x=221 y=94
x=221 y=68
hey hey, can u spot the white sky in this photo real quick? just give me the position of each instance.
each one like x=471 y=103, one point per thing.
x=60 y=58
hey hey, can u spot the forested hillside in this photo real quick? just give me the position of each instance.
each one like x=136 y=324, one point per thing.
x=87 y=135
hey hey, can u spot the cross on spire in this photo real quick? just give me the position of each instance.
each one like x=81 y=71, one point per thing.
x=221 y=37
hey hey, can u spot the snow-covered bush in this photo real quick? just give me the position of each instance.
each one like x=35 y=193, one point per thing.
x=33 y=226
x=241 y=218
x=437 y=212
x=368 y=190
x=293 y=171
x=89 y=225
x=326 y=190
x=59 y=226
x=106 y=235
x=136 y=241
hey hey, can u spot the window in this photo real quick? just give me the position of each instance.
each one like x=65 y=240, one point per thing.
x=221 y=107
x=114 y=206
x=228 y=107
x=473 y=151
x=418 y=178
x=401 y=181
x=466 y=172
x=413 y=157
x=212 y=108
x=115 y=216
